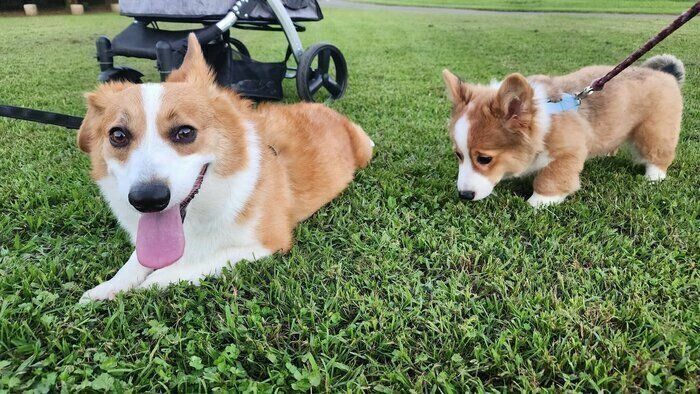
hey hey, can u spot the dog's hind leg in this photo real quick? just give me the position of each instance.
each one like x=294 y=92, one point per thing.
x=654 y=140
x=128 y=277
x=654 y=144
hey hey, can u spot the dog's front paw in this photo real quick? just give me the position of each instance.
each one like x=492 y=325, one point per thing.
x=104 y=291
x=539 y=201
x=165 y=277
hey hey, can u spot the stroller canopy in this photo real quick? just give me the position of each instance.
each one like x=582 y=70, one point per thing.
x=213 y=10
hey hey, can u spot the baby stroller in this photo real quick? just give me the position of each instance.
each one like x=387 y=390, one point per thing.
x=320 y=72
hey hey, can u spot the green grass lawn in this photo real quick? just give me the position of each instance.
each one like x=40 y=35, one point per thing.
x=396 y=285
x=617 y=6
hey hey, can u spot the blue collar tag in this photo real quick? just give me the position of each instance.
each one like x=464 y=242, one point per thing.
x=568 y=102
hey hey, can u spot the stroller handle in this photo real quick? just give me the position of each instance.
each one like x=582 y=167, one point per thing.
x=240 y=8
x=212 y=32
x=165 y=50
x=228 y=21
x=208 y=34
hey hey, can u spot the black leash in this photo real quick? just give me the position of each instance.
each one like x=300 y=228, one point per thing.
x=34 y=115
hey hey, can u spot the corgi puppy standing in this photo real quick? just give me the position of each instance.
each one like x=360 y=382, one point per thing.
x=200 y=179
x=507 y=129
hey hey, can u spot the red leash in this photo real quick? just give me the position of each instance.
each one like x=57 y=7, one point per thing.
x=680 y=21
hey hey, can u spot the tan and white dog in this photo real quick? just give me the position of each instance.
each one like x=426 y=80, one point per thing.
x=200 y=179
x=506 y=130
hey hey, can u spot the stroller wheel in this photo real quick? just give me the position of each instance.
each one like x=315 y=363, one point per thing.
x=239 y=46
x=322 y=73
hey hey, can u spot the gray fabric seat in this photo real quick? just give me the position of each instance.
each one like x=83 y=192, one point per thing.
x=213 y=10
x=176 y=8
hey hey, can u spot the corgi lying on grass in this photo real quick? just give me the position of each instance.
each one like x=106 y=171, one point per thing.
x=201 y=179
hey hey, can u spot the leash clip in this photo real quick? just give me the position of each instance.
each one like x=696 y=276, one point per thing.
x=584 y=93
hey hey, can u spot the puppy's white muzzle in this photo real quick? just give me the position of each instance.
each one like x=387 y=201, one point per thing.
x=472 y=185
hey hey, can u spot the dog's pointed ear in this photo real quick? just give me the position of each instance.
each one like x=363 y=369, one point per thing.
x=457 y=91
x=194 y=68
x=87 y=127
x=97 y=102
x=514 y=102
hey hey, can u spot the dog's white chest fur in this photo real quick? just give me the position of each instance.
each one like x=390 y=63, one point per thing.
x=212 y=217
x=541 y=161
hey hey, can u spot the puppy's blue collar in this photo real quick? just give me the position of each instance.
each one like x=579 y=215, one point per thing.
x=568 y=102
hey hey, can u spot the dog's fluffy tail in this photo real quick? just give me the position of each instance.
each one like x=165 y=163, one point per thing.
x=668 y=64
x=362 y=145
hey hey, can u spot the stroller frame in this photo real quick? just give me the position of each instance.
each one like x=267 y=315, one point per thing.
x=290 y=31
x=313 y=71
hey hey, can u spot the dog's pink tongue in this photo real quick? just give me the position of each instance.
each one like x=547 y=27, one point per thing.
x=160 y=239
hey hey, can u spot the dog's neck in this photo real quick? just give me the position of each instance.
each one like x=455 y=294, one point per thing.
x=224 y=198
x=543 y=124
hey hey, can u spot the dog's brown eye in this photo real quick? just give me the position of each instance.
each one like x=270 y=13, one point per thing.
x=460 y=157
x=119 y=137
x=481 y=159
x=183 y=134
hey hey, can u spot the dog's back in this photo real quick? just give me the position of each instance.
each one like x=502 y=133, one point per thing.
x=319 y=150
x=642 y=105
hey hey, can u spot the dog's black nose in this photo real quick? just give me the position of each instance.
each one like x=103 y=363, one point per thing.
x=149 y=197
x=466 y=195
